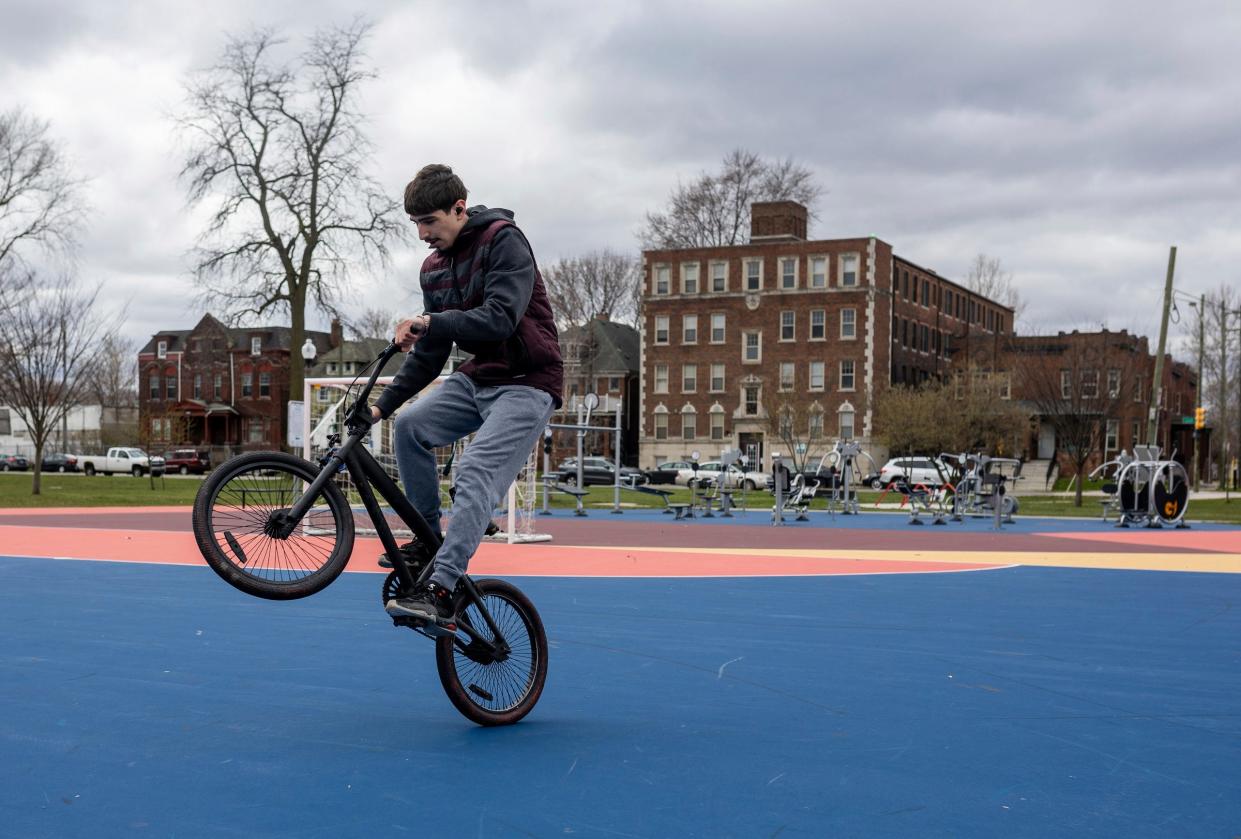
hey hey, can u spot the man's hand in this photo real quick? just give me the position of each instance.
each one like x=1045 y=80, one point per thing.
x=409 y=331
x=375 y=415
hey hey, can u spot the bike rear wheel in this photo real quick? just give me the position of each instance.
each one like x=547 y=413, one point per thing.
x=236 y=514
x=486 y=689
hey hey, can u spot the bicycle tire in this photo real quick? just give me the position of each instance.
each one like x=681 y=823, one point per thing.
x=497 y=692
x=235 y=503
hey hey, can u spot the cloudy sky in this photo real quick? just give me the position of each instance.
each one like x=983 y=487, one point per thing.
x=1074 y=140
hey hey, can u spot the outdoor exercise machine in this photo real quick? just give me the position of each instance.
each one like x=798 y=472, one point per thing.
x=1153 y=492
x=982 y=489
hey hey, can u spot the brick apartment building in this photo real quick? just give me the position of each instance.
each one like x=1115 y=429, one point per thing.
x=1106 y=377
x=730 y=331
x=221 y=388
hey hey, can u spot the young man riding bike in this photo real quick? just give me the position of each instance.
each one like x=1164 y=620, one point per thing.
x=481 y=290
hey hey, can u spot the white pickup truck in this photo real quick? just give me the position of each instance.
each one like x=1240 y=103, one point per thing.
x=121 y=459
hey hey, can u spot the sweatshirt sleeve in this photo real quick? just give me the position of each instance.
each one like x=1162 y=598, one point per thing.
x=419 y=369
x=507 y=287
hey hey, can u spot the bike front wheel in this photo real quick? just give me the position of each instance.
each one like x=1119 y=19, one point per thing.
x=237 y=517
x=495 y=689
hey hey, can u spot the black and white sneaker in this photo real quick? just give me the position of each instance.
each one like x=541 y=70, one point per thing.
x=432 y=604
x=412 y=552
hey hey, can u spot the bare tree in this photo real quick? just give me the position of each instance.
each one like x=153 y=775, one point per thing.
x=600 y=282
x=1221 y=371
x=114 y=374
x=1077 y=385
x=797 y=423
x=281 y=150
x=40 y=201
x=714 y=209
x=48 y=346
x=373 y=323
x=986 y=276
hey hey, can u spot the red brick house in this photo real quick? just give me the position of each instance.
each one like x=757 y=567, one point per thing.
x=219 y=388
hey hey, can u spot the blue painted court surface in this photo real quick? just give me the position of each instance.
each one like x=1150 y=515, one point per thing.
x=1022 y=702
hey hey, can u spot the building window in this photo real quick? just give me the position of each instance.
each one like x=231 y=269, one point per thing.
x=846 y=374
x=717 y=328
x=846 y=425
x=751 y=347
x=788 y=273
x=1090 y=384
x=786 y=423
x=689 y=329
x=663 y=279
x=848 y=324
x=265 y=385
x=614 y=384
x=689 y=378
x=815 y=428
x=661 y=378
x=1113 y=383
x=717 y=378
x=661 y=426
x=848 y=269
x=1137 y=388
x=218 y=387
x=256 y=348
x=717 y=425
x=750 y=401
x=818 y=374
x=1006 y=385
x=787 y=378
x=323 y=394
x=154 y=386
x=719 y=276
x=689 y=278
x=661 y=329
x=161 y=349
x=818 y=324
x=818 y=272
x=788 y=319
x=198 y=385
x=1066 y=384
x=689 y=425
x=247 y=384
x=753 y=275
x=926 y=293
x=161 y=428
x=1112 y=442
x=256 y=430
x=170 y=384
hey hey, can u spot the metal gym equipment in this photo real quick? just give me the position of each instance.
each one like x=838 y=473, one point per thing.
x=1153 y=492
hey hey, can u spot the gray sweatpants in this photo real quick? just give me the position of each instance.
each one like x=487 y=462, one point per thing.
x=506 y=421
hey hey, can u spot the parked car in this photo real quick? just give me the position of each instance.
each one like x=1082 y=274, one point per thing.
x=13 y=462
x=187 y=461
x=597 y=471
x=927 y=471
x=59 y=462
x=122 y=459
x=669 y=472
x=732 y=476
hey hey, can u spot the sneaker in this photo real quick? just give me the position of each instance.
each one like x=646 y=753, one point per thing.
x=410 y=552
x=432 y=604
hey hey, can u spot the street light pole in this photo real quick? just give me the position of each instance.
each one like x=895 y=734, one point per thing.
x=1152 y=420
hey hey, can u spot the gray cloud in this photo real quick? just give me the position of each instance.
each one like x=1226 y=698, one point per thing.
x=1073 y=141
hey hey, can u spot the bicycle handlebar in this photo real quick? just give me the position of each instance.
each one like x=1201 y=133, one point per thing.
x=359 y=412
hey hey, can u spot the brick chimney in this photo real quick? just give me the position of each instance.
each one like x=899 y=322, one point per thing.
x=777 y=221
x=338 y=334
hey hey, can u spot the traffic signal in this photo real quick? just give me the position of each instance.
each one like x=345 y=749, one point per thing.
x=1200 y=418
x=547 y=441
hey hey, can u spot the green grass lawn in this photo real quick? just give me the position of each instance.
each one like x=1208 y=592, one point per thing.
x=124 y=491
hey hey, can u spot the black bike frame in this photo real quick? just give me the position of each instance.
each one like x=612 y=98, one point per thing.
x=367 y=473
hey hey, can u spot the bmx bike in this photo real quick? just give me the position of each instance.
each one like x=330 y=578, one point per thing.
x=277 y=526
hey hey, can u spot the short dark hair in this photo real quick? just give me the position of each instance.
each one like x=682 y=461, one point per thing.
x=435 y=187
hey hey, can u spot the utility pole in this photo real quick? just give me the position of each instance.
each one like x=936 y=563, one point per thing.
x=1152 y=420
x=1222 y=402
x=1202 y=323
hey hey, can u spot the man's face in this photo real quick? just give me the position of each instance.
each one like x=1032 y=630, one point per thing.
x=439 y=229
